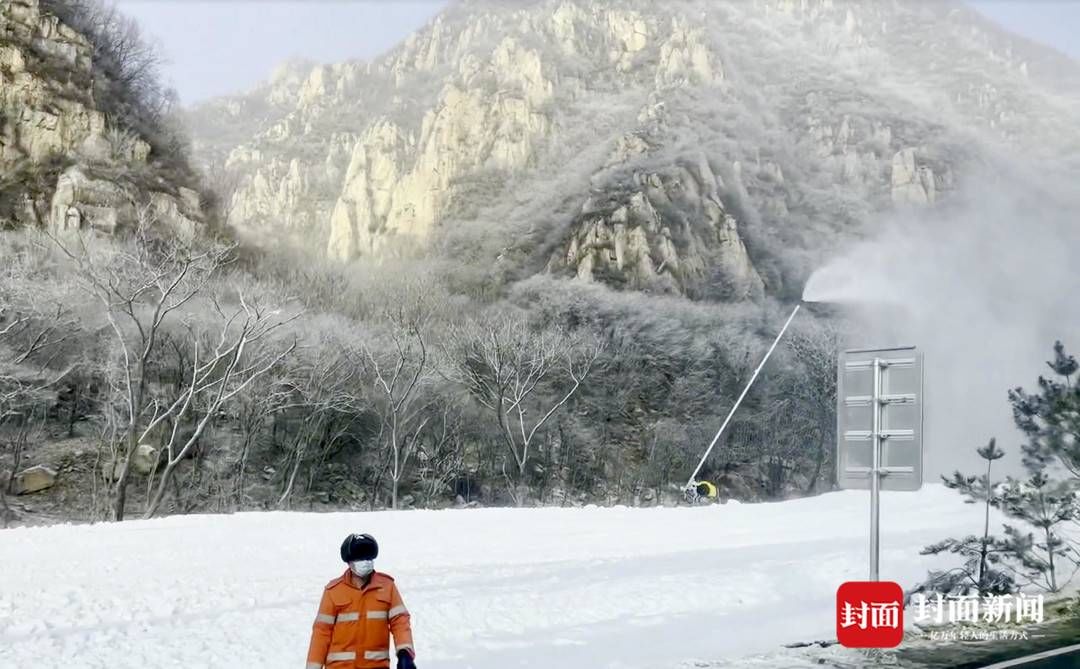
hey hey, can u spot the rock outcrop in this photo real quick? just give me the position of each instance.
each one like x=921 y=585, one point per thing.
x=75 y=168
x=398 y=183
x=33 y=479
x=44 y=115
x=694 y=248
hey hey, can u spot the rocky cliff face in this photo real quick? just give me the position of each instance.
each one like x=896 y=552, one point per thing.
x=679 y=148
x=62 y=163
x=663 y=230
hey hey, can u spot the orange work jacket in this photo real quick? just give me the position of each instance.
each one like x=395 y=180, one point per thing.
x=352 y=629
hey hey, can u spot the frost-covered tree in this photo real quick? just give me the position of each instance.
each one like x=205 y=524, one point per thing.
x=1050 y=418
x=982 y=571
x=152 y=291
x=1044 y=557
x=399 y=369
x=523 y=376
x=1038 y=552
x=34 y=331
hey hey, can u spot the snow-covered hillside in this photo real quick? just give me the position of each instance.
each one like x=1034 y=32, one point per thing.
x=488 y=589
x=716 y=149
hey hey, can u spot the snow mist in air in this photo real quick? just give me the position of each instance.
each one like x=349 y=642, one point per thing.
x=983 y=283
x=846 y=281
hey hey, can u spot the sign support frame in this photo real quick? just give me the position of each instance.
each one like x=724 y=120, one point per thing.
x=875 y=477
x=879 y=401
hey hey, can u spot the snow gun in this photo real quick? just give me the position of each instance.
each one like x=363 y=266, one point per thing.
x=691 y=488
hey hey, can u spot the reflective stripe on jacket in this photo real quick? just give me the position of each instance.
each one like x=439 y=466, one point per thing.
x=353 y=627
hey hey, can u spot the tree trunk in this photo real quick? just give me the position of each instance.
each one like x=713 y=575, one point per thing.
x=136 y=398
x=986 y=532
x=5 y=512
x=74 y=411
x=292 y=478
x=241 y=470
x=395 y=457
x=521 y=489
x=9 y=484
x=1050 y=560
x=17 y=454
x=818 y=464
x=572 y=476
x=159 y=494
x=120 y=489
x=374 y=494
x=119 y=497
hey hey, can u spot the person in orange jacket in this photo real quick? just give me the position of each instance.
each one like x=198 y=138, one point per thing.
x=359 y=611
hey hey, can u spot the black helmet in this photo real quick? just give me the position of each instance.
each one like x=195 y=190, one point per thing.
x=359 y=547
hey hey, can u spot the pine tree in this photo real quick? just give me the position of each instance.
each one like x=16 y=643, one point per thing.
x=1049 y=562
x=1051 y=418
x=980 y=572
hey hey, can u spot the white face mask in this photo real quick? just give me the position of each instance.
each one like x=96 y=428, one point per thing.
x=362 y=567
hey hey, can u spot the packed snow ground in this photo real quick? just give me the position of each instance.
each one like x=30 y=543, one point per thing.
x=494 y=588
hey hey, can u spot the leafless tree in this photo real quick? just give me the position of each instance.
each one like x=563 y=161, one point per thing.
x=31 y=336
x=523 y=376
x=810 y=396
x=28 y=426
x=24 y=337
x=5 y=511
x=223 y=184
x=11 y=384
x=322 y=392
x=256 y=403
x=107 y=426
x=142 y=287
x=401 y=371
x=128 y=63
x=238 y=354
x=440 y=451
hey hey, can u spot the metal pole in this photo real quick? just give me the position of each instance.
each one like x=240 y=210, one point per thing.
x=745 y=390
x=875 y=476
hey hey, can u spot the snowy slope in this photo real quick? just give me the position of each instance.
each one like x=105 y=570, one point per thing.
x=540 y=588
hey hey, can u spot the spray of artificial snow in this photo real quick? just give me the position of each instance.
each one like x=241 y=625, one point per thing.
x=984 y=285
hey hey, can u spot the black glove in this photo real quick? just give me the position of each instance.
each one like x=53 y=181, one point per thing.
x=404 y=660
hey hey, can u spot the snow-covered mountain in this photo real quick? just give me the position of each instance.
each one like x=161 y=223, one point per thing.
x=705 y=148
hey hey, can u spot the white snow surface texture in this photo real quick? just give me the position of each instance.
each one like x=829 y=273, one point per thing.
x=487 y=588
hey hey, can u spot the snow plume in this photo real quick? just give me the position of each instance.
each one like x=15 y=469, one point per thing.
x=984 y=285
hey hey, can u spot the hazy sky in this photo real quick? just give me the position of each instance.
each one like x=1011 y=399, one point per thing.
x=225 y=46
